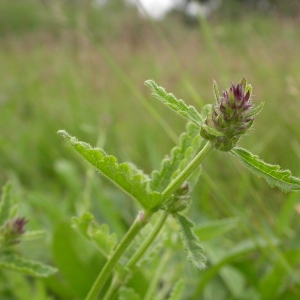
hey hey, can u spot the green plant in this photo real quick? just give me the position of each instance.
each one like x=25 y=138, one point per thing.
x=166 y=192
x=12 y=233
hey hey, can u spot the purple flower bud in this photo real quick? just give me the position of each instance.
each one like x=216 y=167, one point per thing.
x=12 y=231
x=231 y=116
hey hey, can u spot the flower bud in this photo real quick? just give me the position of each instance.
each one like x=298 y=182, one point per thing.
x=231 y=116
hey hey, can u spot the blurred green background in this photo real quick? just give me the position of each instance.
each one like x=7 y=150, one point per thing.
x=79 y=66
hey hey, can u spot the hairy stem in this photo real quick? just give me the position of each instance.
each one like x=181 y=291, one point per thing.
x=192 y=166
x=138 y=224
x=118 y=281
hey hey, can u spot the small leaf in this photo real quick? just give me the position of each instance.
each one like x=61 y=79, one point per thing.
x=33 y=235
x=5 y=204
x=216 y=91
x=128 y=294
x=177 y=290
x=191 y=243
x=271 y=173
x=98 y=234
x=135 y=186
x=255 y=110
x=180 y=157
x=179 y=106
x=212 y=131
x=26 y=266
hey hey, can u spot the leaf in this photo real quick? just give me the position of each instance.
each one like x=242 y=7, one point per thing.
x=191 y=243
x=180 y=157
x=179 y=106
x=33 y=235
x=128 y=294
x=177 y=290
x=26 y=266
x=5 y=204
x=212 y=131
x=271 y=173
x=98 y=234
x=136 y=186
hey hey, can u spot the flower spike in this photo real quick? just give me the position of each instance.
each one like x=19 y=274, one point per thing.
x=231 y=116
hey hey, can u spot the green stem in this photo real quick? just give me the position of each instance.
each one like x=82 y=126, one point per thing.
x=138 y=224
x=194 y=164
x=148 y=241
x=118 y=281
x=155 y=279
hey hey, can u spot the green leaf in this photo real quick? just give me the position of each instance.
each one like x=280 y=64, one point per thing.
x=177 y=290
x=128 y=294
x=98 y=234
x=212 y=131
x=179 y=106
x=271 y=173
x=191 y=243
x=255 y=110
x=136 y=186
x=26 y=266
x=5 y=204
x=180 y=157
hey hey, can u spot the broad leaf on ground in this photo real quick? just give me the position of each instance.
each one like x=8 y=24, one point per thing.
x=135 y=185
x=271 y=173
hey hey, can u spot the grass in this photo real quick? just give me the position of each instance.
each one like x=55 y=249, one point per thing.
x=91 y=84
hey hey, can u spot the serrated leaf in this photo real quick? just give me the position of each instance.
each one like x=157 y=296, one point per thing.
x=5 y=204
x=271 y=173
x=177 y=290
x=191 y=243
x=179 y=106
x=98 y=234
x=126 y=293
x=121 y=175
x=180 y=157
x=30 y=267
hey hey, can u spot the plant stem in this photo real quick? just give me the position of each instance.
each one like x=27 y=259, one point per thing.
x=156 y=277
x=177 y=182
x=118 y=281
x=138 y=224
x=148 y=241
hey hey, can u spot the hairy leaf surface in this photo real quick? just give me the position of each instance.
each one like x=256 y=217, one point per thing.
x=98 y=234
x=179 y=106
x=179 y=158
x=271 y=173
x=30 y=267
x=135 y=185
x=191 y=243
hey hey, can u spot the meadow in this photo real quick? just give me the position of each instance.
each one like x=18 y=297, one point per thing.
x=83 y=70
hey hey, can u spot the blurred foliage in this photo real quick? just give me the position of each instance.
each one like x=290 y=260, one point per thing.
x=82 y=69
